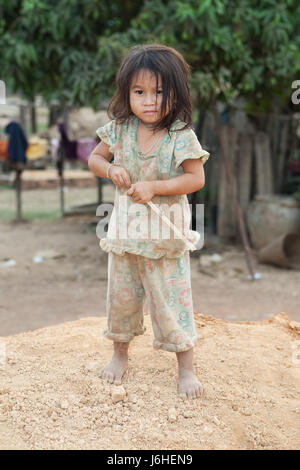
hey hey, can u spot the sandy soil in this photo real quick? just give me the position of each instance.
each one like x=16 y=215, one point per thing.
x=50 y=393
x=51 y=396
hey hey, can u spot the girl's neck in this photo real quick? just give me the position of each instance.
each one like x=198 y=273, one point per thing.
x=149 y=126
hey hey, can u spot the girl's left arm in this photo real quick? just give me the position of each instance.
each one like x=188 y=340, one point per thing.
x=192 y=180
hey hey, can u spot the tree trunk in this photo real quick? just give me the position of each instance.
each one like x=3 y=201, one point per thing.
x=244 y=162
x=33 y=115
x=22 y=114
x=226 y=224
x=282 y=153
x=53 y=114
x=263 y=164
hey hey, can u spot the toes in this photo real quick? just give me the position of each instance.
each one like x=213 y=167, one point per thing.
x=105 y=375
x=191 y=392
x=110 y=378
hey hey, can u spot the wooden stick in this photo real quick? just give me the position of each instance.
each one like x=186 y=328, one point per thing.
x=171 y=225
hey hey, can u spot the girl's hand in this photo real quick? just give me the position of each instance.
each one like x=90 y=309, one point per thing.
x=141 y=192
x=119 y=176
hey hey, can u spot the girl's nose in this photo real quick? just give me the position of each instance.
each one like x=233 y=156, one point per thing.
x=149 y=99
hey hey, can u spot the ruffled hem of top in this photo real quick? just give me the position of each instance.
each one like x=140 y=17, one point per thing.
x=153 y=251
x=108 y=246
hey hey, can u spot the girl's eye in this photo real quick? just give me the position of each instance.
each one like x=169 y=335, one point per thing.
x=140 y=92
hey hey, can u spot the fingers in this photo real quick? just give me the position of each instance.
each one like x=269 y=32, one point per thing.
x=122 y=179
x=127 y=180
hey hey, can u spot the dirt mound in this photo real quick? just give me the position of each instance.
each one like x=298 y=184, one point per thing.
x=51 y=396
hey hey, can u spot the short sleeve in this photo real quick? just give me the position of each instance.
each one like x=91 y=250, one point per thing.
x=188 y=146
x=108 y=134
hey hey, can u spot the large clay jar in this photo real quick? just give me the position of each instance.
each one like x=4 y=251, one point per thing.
x=270 y=216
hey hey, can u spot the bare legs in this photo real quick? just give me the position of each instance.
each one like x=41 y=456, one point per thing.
x=114 y=371
x=188 y=384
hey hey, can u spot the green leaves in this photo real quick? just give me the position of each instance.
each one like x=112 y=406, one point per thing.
x=71 y=50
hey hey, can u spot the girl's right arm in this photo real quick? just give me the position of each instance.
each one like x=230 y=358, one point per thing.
x=98 y=163
x=99 y=159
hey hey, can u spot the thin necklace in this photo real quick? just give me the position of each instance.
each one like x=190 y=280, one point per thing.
x=152 y=146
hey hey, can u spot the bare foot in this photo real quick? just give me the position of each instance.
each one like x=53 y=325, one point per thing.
x=188 y=385
x=114 y=371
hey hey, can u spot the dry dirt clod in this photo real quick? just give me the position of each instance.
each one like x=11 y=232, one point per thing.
x=118 y=393
x=172 y=415
x=64 y=404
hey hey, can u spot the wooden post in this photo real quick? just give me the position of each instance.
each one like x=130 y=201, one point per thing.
x=62 y=182
x=19 y=195
x=232 y=189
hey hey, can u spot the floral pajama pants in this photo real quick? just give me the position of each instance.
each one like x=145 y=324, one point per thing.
x=166 y=283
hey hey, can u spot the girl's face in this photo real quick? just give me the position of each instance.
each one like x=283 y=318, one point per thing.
x=145 y=98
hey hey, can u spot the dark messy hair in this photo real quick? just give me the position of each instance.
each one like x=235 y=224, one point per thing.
x=174 y=72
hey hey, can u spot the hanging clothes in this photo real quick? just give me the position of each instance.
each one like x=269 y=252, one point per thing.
x=70 y=146
x=85 y=147
x=17 y=144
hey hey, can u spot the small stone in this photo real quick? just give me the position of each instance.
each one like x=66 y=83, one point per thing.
x=64 y=404
x=216 y=421
x=172 y=373
x=216 y=258
x=172 y=416
x=134 y=398
x=118 y=394
x=187 y=413
x=234 y=406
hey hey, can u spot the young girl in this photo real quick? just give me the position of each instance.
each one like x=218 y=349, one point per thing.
x=157 y=158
